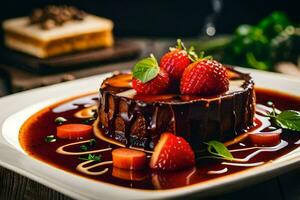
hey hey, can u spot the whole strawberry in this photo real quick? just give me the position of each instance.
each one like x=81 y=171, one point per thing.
x=204 y=77
x=149 y=78
x=175 y=61
x=172 y=153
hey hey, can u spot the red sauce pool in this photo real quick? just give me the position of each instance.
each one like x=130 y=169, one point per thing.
x=33 y=132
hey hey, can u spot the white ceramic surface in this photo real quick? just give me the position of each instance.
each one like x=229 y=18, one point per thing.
x=15 y=109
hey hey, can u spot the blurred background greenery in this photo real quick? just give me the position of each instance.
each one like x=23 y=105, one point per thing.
x=273 y=39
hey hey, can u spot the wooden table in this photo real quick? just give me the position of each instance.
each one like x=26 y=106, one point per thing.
x=284 y=187
x=14 y=186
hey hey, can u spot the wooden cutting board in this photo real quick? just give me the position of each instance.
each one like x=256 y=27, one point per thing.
x=78 y=60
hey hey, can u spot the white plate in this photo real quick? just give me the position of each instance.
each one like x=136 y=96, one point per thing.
x=15 y=109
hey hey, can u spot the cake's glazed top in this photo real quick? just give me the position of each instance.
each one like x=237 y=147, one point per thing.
x=120 y=85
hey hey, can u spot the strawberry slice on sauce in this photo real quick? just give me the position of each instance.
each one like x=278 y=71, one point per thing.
x=172 y=153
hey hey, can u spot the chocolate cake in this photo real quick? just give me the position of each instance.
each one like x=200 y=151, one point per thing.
x=131 y=119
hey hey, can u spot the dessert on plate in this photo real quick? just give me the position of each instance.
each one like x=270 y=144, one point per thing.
x=56 y=30
x=134 y=115
x=184 y=120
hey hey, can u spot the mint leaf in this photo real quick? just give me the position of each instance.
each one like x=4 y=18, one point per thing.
x=92 y=142
x=83 y=148
x=91 y=157
x=50 y=138
x=146 y=69
x=219 y=149
x=289 y=119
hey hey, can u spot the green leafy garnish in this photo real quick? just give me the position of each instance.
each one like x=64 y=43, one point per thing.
x=50 y=138
x=219 y=149
x=92 y=142
x=146 y=69
x=202 y=56
x=193 y=56
x=288 y=119
x=84 y=148
x=60 y=120
x=180 y=45
x=91 y=157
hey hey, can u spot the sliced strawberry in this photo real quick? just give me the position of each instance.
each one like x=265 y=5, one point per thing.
x=204 y=77
x=172 y=153
x=149 y=78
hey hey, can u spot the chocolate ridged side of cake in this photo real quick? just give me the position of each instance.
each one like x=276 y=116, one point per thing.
x=139 y=120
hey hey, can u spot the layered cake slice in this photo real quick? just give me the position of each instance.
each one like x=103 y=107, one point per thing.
x=211 y=102
x=57 y=30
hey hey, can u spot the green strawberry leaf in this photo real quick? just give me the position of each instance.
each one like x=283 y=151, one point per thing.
x=288 y=119
x=146 y=69
x=180 y=45
x=219 y=149
x=192 y=54
x=202 y=56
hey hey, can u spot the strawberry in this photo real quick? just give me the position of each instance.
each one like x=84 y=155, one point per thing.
x=172 y=153
x=175 y=61
x=149 y=78
x=204 y=77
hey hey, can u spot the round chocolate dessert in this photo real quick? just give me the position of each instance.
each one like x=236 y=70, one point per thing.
x=129 y=119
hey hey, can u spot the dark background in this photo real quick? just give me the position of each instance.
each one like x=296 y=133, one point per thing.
x=176 y=18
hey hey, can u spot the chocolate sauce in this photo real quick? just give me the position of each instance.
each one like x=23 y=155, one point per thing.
x=42 y=124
